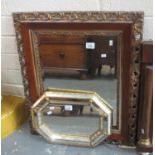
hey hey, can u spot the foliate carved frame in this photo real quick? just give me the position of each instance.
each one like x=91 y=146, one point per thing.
x=135 y=18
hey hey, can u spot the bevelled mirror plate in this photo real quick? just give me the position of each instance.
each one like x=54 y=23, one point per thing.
x=72 y=117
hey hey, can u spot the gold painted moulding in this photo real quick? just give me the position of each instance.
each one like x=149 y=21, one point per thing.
x=87 y=97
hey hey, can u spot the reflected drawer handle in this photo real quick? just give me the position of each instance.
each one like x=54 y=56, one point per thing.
x=61 y=55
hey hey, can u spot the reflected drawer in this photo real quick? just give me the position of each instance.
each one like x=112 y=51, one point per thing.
x=64 y=55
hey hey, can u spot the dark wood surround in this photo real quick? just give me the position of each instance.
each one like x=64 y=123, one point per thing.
x=125 y=28
x=145 y=120
x=128 y=24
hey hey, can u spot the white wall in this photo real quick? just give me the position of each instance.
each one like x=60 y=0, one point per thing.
x=11 y=74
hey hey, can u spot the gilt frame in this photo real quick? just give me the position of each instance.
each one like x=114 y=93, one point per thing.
x=91 y=140
x=133 y=18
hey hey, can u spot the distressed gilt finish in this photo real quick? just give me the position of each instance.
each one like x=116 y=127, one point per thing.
x=51 y=96
x=136 y=18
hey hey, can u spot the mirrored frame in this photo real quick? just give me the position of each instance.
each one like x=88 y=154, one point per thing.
x=53 y=136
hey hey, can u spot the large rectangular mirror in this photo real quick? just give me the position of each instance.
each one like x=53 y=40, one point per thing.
x=67 y=62
x=97 y=51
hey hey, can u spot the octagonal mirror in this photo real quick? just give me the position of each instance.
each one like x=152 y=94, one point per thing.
x=72 y=117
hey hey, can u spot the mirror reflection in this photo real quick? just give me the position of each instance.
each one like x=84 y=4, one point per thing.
x=83 y=63
x=72 y=119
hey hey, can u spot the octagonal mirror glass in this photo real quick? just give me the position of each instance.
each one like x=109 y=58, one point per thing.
x=72 y=117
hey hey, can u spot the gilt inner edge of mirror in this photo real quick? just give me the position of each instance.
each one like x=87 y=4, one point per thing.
x=37 y=64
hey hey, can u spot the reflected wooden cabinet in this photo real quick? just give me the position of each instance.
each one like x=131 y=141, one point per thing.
x=105 y=52
x=63 y=53
x=69 y=53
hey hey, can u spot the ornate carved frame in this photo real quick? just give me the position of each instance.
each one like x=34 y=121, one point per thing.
x=135 y=19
